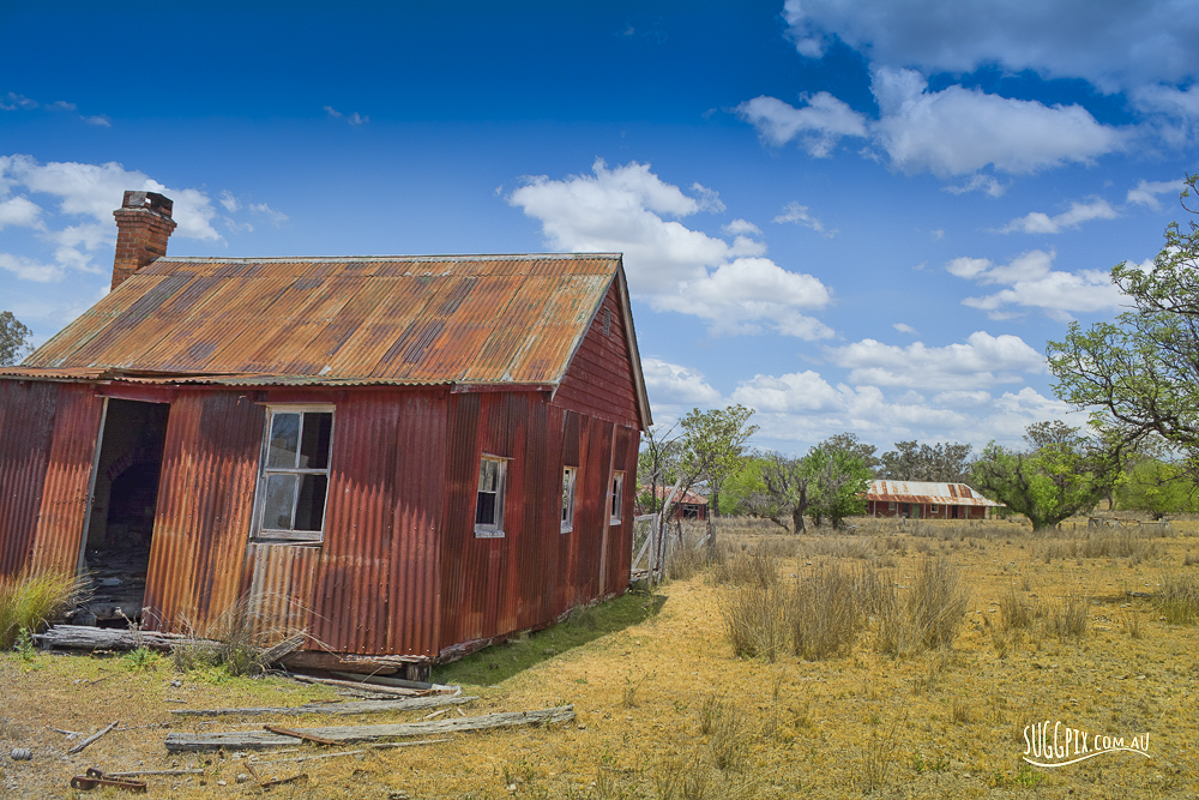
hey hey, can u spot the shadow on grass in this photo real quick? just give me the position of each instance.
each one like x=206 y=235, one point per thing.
x=499 y=662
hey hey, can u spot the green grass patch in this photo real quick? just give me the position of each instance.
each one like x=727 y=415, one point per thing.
x=28 y=602
x=499 y=662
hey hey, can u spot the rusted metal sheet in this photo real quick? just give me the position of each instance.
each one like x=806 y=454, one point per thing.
x=952 y=494
x=205 y=500
x=26 y=428
x=68 y=479
x=281 y=578
x=402 y=319
x=376 y=584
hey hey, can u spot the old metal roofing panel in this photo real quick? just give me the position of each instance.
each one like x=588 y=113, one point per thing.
x=388 y=319
x=950 y=494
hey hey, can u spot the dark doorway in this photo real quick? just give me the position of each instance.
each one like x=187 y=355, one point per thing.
x=116 y=554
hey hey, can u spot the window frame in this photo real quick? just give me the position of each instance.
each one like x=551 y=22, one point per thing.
x=494 y=529
x=259 y=531
x=570 y=482
x=616 y=498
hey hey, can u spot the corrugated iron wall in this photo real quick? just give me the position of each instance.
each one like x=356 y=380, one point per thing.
x=494 y=586
x=377 y=576
x=68 y=478
x=205 y=501
x=26 y=426
x=599 y=382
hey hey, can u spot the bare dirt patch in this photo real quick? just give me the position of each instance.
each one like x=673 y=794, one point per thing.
x=1059 y=628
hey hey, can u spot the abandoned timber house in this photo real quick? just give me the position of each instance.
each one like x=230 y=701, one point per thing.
x=406 y=457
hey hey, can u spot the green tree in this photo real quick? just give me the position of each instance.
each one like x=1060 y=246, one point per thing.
x=785 y=495
x=849 y=444
x=839 y=482
x=657 y=466
x=1061 y=474
x=712 y=445
x=940 y=463
x=14 y=339
x=1141 y=373
x=743 y=486
x=1156 y=482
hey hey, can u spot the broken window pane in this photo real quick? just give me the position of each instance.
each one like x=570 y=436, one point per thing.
x=310 y=509
x=314 y=449
x=285 y=438
x=280 y=500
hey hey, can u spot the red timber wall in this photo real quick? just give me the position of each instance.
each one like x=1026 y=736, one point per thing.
x=371 y=586
x=494 y=586
x=881 y=508
x=47 y=442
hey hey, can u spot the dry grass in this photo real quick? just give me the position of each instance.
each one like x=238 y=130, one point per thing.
x=664 y=702
x=1178 y=600
x=27 y=603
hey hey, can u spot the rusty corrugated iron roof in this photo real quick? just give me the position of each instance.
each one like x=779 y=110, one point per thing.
x=400 y=320
x=950 y=494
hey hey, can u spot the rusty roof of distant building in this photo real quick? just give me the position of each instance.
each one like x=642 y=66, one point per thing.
x=949 y=494
x=410 y=320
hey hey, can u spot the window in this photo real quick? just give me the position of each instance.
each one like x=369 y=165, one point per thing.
x=617 y=498
x=569 y=474
x=489 y=502
x=294 y=478
x=891 y=506
x=933 y=508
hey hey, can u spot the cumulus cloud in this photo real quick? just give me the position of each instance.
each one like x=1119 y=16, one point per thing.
x=1146 y=192
x=742 y=227
x=958 y=131
x=70 y=207
x=1033 y=283
x=628 y=209
x=903 y=327
x=676 y=385
x=981 y=361
x=1078 y=213
x=1120 y=46
x=21 y=213
x=819 y=124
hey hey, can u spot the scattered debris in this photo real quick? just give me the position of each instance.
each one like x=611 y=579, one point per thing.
x=21 y=754
x=88 y=741
x=377 y=688
x=158 y=772
x=94 y=777
x=354 y=734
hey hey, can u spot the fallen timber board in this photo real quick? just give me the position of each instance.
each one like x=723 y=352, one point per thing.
x=362 y=707
x=353 y=734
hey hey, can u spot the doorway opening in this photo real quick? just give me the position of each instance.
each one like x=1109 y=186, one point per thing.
x=116 y=552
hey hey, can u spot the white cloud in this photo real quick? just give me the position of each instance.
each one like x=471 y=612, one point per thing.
x=96 y=190
x=987 y=184
x=903 y=327
x=21 y=213
x=676 y=268
x=354 y=119
x=30 y=270
x=1039 y=222
x=959 y=131
x=1034 y=284
x=1146 y=192
x=981 y=361
x=794 y=212
x=1115 y=46
x=741 y=226
x=230 y=202
x=17 y=101
x=674 y=384
x=819 y=125
x=98 y=120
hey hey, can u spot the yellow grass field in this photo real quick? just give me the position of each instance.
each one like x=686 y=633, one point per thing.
x=1065 y=629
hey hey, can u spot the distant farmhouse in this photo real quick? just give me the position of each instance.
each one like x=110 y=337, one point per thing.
x=925 y=500
x=406 y=457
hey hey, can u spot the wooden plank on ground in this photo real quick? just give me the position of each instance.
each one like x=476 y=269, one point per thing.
x=359 y=707
x=177 y=742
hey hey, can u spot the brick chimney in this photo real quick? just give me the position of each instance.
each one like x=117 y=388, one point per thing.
x=143 y=226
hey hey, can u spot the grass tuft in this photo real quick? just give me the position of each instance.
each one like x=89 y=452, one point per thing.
x=29 y=602
x=1178 y=600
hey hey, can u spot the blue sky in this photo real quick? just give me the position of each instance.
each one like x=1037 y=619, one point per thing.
x=851 y=216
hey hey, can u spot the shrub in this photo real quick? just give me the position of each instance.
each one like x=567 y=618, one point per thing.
x=927 y=616
x=1178 y=600
x=824 y=614
x=29 y=602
